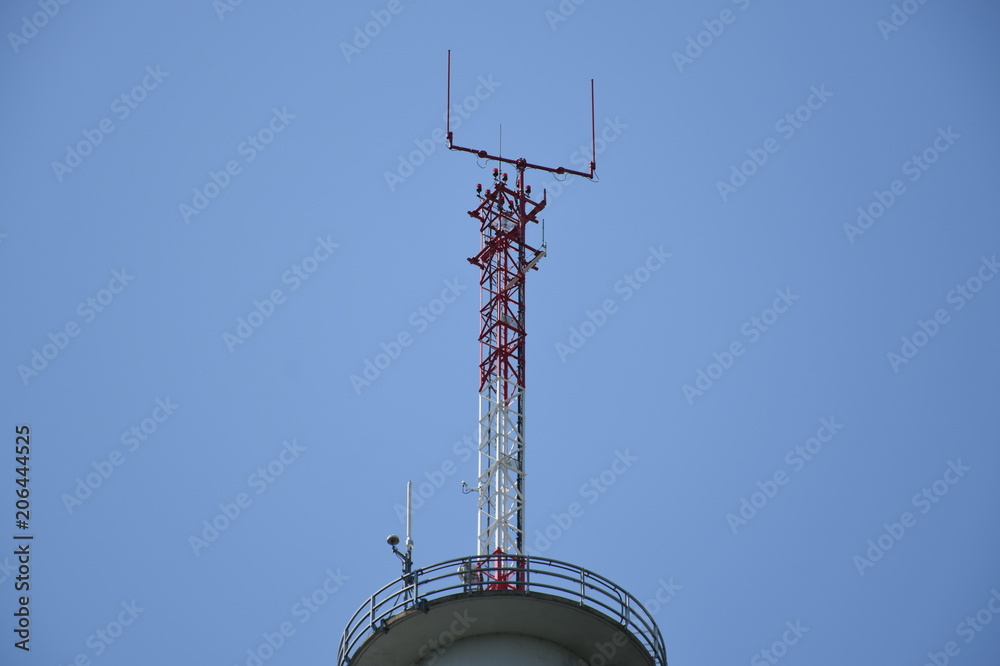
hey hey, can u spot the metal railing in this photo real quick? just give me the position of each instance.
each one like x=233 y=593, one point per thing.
x=504 y=574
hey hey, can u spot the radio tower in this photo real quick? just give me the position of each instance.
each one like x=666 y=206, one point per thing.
x=502 y=606
x=505 y=258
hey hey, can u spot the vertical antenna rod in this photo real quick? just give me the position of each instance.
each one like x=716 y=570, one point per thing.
x=407 y=557
x=505 y=257
x=409 y=515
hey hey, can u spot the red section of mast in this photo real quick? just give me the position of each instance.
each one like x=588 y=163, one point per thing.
x=505 y=258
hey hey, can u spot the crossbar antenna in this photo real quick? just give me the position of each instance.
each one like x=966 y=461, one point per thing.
x=521 y=162
x=505 y=212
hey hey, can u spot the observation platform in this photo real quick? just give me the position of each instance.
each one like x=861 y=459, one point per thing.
x=498 y=610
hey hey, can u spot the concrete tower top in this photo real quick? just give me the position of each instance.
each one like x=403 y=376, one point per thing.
x=502 y=609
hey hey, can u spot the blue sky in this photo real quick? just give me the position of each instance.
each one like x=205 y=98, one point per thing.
x=779 y=300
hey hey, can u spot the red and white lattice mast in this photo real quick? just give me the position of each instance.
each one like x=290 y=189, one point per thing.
x=502 y=606
x=505 y=214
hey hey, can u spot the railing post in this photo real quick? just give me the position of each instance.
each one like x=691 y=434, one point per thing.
x=583 y=586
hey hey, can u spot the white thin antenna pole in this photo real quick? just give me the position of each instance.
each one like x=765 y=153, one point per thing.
x=409 y=514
